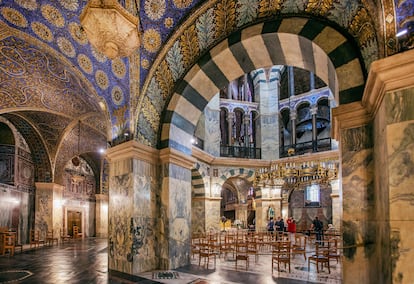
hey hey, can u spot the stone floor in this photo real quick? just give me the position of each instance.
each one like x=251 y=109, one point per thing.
x=86 y=261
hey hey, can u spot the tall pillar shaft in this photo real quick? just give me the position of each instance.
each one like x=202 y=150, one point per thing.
x=48 y=208
x=133 y=216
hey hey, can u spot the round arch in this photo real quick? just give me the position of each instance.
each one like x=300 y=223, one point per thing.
x=261 y=45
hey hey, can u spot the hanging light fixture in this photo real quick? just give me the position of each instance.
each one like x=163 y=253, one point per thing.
x=110 y=28
x=76 y=159
x=292 y=174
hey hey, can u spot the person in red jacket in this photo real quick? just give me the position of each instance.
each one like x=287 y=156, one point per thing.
x=291 y=227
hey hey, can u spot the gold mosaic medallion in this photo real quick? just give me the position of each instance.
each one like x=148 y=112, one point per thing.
x=118 y=68
x=85 y=63
x=77 y=33
x=53 y=16
x=66 y=47
x=14 y=17
x=102 y=79
x=42 y=31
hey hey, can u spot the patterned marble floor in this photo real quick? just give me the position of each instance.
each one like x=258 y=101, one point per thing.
x=86 y=261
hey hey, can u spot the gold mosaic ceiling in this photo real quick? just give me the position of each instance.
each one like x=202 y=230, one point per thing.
x=51 y=77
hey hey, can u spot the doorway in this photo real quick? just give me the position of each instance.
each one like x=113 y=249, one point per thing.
x=74 y=219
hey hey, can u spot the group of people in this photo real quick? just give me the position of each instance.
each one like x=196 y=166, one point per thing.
x=279 y=225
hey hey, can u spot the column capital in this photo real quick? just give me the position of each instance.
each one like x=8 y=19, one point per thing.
x=103 y=197
x=293 y=114
x=49 y=186
x=133 y=149
x=169 y=155
x=314 y=109
x=350 y=115
x=385 y=75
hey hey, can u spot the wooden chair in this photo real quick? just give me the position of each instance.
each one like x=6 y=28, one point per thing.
x=241 y=253
x=281 y=254
x=9 y=240
x=252 y=248
x=320 y=256
x=228 y=246
x=299 y=247
x=17 y=243
x=51 y=238
x=35 y=239
x=64 y=236
x=333 y=250
x=195 y=246
x=206 y=252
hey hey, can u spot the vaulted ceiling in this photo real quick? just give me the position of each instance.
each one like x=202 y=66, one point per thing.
x=51 y=77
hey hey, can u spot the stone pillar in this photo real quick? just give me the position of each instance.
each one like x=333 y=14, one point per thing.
x=133 y=210
x=268 y=197
x=293 y=116
x=175 y=209
x=246 y=123
x=48 y=208
x=267 y=94
x=212 y=213
x=336 y=197
x=230 y=119
x=101 y=215
x=314 y=111
x=241 y=213
x=388 y=98
x=354 y=135
x=312 y=81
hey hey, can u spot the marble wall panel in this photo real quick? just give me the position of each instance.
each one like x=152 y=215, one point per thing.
x=132 y=224
x=175 y=216
x=213 y=215
x=16 y=211
x=120 y=212
x=400 y=150
x=212 y=131
x=358 y=196
x=198 y=216
x=380 y=271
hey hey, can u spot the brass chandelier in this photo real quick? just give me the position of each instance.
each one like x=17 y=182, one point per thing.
x=289 y=174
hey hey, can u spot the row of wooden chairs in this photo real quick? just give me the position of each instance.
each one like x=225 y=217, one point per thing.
x=243 y=246
x=50 y=238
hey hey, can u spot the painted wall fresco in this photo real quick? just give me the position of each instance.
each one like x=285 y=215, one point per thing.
x=400 y=155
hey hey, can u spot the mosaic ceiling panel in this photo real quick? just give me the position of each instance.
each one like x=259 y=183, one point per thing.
x=47 y=63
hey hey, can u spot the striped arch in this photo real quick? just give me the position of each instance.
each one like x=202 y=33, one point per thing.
x=301 y=42
x=197 y=182
x=240 y=172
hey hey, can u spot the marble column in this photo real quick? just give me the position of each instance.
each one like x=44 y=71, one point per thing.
x=101 y=215
x=268 y=197
x=354 y=135
x=336 y=197
x=133 y=210
x=314 y=112
x=293 y=116
x=241 y=213
x=389 y=99
x=267 y=94
x=48 y=208
x=175 y=209
x=230 y=120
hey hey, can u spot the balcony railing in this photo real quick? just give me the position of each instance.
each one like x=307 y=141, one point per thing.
x=240 y=152
x=307 y=147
